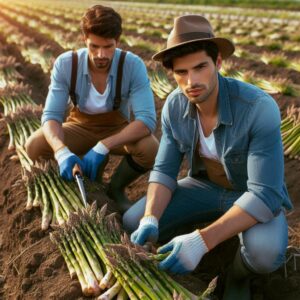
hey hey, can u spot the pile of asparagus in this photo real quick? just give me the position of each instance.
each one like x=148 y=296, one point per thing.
x=47 y=190
x=160 y=83
x=45 y=187
x=22 y=122
x=290 y=132
x=107 y=264
x=14 y=96
x=8 y=71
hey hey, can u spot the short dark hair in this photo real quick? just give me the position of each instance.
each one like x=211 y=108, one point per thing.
x=209 y=47
x=102 y=21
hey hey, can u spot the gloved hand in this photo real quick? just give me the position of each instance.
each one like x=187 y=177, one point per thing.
x=66 y=161
x=93 y=159
x=147 y=231
x=186 y=252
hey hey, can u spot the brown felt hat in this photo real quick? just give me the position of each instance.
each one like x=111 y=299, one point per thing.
x=193 y=28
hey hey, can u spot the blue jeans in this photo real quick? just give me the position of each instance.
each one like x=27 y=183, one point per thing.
x=194 y=201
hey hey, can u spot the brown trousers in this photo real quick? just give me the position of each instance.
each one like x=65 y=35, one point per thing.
x=82 y=132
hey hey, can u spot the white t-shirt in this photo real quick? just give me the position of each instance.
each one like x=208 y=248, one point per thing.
x=207 y=144
x=96 y=102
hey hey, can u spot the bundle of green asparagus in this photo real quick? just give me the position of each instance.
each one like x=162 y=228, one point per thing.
x=107 y=264
x=22 y=123
x=160 y=83
x=8 y=71
x=14 y=96
x=46 y=189
x=290 y=132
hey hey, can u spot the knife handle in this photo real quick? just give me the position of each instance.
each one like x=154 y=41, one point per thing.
x=76 y=170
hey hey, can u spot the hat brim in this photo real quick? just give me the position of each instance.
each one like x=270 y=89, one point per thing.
x=225 y=46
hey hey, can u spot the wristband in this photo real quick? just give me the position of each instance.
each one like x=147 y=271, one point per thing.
x=62 y=154
x=149 y=219
x=101 y=148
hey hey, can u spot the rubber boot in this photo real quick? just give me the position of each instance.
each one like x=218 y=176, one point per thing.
x=237 y=282
x=126 y=172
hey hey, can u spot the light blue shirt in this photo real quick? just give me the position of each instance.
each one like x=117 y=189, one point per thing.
x=136 y=92
x=248 y=142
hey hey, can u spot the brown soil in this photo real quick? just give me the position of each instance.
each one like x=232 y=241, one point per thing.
x=32 y=268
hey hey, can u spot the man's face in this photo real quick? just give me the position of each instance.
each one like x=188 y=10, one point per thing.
x=100 y=50
x=196 y=75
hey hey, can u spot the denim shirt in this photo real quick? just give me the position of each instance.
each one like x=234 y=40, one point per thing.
x=136 y=92
x=248 y=142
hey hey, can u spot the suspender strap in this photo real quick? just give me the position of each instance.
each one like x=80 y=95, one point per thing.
x=73 y=77
x=117 y=100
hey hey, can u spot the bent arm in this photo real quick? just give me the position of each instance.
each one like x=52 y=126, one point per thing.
x=153 y=206
x=54 y=134
x=133 y=132
x=234 y=221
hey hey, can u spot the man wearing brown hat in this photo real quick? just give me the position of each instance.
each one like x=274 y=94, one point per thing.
x=229 y=132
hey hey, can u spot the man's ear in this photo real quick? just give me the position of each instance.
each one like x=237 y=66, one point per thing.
x=219 y=62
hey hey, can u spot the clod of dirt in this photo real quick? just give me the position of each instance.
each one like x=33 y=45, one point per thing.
x=73 y=292
x=27 y=217
x=34 y=263
x=35 y=235
x=2 y=279
x=5 y=192
x=57 y=263
x=26 y=284
x=48 y=272
x=10 y=209
x=22 y=233
x=37 y=259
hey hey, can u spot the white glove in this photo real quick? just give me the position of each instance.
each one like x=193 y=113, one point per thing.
x=186 y=252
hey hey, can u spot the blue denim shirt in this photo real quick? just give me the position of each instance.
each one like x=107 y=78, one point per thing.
x=248 y=143
x=136 y=91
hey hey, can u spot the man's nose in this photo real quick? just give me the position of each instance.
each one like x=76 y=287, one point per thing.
x=192 y=78
x=100 y=53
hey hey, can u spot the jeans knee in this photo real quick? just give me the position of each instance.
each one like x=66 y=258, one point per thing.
x=130 y=223
x=131 y=218
x=263 y=250
x=265 y=258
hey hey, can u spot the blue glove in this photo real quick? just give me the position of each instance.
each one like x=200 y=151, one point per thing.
x=66 y=161
x=93 y=159
x=147 y=231
x=186 y=252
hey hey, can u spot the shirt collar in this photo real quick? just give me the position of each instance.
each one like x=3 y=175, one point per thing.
x=225 y=113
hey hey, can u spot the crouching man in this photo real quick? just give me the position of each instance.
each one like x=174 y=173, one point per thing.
x=229 y=132
x=107 y=86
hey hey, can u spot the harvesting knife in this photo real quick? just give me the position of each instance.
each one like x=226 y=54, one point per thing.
x=79 y=180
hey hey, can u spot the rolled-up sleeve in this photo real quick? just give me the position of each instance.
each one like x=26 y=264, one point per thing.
x=141 y=96
x=168 y=158
x=58 y=94
x=264 y=197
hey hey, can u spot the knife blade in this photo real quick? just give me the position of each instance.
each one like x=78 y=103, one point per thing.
x=79 y=181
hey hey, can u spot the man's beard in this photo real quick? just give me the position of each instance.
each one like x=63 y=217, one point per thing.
x=101 y=63
x=204 y=93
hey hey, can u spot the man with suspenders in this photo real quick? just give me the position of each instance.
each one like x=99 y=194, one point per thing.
x=113 y=108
